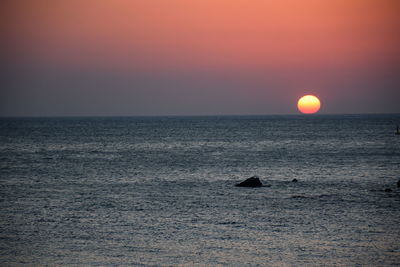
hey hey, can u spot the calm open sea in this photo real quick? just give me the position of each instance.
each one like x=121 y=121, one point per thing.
x=159 y=191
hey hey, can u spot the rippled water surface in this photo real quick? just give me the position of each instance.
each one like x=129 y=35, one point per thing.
x=160 y=191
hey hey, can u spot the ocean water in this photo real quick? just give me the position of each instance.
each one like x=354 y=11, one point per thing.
x=159 y=191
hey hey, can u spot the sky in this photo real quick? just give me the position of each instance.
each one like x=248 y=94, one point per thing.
x=198 y=57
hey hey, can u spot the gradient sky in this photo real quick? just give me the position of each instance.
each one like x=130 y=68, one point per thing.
x=198 y=57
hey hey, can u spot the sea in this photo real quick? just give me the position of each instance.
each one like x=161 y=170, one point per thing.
x=160 y=191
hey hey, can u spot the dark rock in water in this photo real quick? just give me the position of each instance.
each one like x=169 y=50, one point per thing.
x=251 y=182
x=388 y=190
x=398 y=183
x=294 y=180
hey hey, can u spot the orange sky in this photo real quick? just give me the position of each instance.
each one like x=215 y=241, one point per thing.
x=241 y=36
x=204 y=33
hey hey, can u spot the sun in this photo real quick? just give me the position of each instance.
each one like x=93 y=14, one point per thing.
x=309 y=104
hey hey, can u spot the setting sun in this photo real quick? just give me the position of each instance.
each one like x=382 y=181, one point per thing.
x=308 y=104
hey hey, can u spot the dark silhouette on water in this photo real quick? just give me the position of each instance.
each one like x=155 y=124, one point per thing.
x=398 y=130
x=251 y=182
x=294 y=180
x=398 y=183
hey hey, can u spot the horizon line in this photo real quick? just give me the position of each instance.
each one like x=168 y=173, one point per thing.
x=193 y=115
